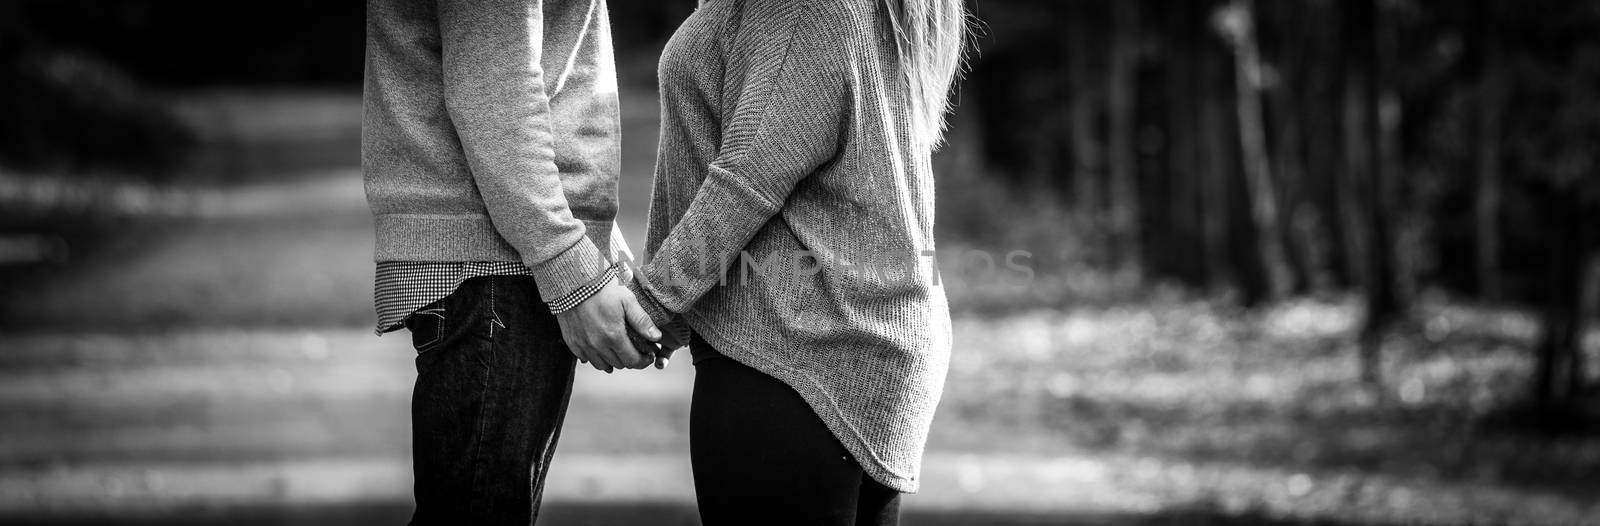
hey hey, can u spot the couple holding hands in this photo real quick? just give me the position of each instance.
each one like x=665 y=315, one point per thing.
x=490 y=153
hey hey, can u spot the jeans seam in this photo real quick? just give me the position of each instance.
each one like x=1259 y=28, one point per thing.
x=494 y=313
x=485 y=407
x=535 y=487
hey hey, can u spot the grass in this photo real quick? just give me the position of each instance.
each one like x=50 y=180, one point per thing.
x=1205 y=389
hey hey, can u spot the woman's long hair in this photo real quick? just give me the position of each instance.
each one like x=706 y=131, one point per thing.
x=931 y=37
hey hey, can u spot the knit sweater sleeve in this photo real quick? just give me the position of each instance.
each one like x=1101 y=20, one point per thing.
x=785 y=95
x=495 y=94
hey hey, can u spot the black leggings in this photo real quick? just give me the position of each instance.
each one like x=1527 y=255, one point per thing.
x=762 y=456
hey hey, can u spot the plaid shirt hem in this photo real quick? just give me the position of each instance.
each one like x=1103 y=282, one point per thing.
x=402 y=287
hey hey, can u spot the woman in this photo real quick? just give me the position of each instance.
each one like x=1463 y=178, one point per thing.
x=791 y=229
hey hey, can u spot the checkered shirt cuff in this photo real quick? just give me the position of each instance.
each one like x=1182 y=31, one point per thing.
x=588 y=290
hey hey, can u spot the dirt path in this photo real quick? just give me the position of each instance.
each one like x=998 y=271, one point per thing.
x=237 y=421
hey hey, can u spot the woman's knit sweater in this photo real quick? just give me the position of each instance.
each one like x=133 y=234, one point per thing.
x=791 y=224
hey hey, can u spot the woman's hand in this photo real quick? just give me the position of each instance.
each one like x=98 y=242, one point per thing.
x=668 y=344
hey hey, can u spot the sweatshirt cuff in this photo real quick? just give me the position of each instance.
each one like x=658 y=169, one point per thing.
x=658 y=315
x=569 y=271
x=667 y=321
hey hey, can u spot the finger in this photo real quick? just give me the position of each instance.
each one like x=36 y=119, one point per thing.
x=604 y=355
x=666 y=354
x=598 y=359
x=591 y=357
x=646 y=348
x=625 y=357
x=639 y=320
x=620 y=349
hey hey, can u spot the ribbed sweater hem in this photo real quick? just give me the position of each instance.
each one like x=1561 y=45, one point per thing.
x=473 y=237
x=812 y=392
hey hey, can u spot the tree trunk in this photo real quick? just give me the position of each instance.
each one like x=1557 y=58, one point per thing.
x=1348 y=183
x=1238 y=21
x=1365 y=131
x=1121 y=137
x=1305 y=243
x=1486 y=206
x=1215 y=200
x=1559 y=375
x=1353 y=114
x=1396 y=274
x=1087 y=155
x=1402 y=247
x=1324 y=193
x=1184 y=164
x=1588 y=310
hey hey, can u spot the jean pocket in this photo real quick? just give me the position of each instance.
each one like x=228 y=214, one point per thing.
x=427 y=328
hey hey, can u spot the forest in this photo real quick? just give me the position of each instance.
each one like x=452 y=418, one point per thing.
x=1286 y=148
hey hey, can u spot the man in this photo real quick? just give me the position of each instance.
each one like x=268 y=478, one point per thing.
x=490 y=153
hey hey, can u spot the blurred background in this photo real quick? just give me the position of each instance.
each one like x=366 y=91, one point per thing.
x=1293 y=262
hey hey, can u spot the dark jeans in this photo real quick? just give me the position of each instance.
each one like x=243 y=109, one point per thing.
x=493 y=380
x=762 y=456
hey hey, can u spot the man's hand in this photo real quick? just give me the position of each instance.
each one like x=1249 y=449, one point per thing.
x=597 y=330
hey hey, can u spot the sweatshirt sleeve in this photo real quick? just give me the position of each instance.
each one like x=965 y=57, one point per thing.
x=785 y=96
x=495 y=95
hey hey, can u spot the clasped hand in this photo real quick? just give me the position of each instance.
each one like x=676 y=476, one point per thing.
x=611 y=331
